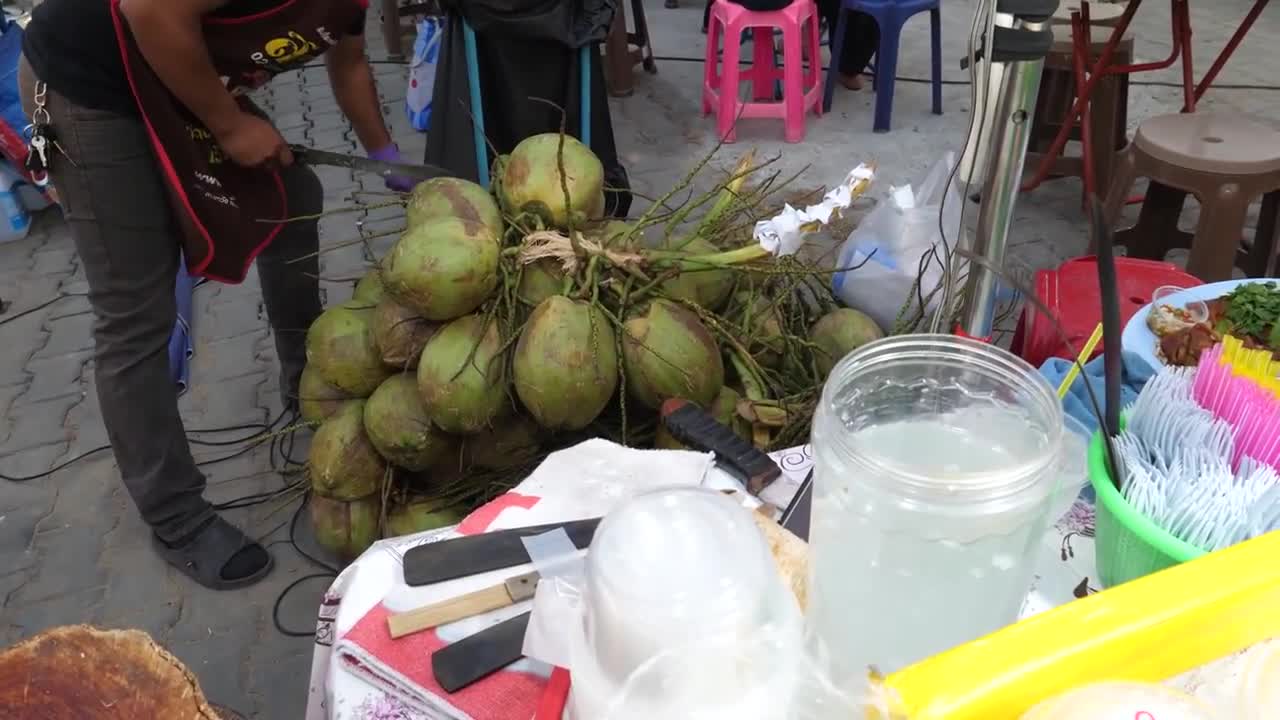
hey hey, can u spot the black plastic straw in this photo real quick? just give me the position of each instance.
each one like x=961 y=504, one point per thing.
x=1112 y=360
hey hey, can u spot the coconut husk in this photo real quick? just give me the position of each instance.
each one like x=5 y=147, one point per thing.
x=83 y=673
x=790 y=555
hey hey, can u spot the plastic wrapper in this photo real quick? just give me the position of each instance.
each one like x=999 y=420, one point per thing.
x=889 y=245
x=1260 y=690
x=682 y=613
x=1123 y=701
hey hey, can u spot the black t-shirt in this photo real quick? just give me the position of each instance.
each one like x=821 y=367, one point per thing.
x=71 y=45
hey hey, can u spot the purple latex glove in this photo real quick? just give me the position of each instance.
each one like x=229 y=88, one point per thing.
x=391 y=154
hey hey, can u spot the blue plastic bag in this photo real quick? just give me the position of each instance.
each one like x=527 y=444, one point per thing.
x=13 y=120
x=422 y=72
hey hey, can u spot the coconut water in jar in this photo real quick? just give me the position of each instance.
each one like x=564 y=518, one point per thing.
x=935 y=464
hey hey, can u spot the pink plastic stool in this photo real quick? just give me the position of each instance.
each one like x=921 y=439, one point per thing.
x=801 y=89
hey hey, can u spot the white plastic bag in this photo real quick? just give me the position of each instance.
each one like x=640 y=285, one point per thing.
x=892 y=239
x=422 y=72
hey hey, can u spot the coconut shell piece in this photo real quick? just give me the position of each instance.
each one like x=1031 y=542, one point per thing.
x=83 y=673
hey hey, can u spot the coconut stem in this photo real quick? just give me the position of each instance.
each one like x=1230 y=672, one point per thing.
x=338 y=246
x=739 y=256
x=361 y=207
x=729 y=193
x=679 y=187
x=752 y=385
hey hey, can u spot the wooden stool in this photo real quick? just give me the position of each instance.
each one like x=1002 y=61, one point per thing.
x=1108 y=110
x=624 y=50
x=1225 y=161
x=396 y=30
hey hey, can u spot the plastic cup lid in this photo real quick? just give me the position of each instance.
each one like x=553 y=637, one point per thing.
x=1121 y=701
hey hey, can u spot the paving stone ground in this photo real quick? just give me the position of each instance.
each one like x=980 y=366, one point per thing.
x=72 y=549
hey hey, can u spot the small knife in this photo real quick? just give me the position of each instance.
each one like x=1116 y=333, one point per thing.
x=697 y=429
x=494 y=597
x=311 y=156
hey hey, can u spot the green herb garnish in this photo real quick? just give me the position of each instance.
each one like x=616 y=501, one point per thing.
x=1254 y=309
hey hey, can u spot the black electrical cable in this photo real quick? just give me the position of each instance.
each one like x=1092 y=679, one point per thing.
x=925 y=81
x=57 y=298
x=281 y=446
x=329 y=572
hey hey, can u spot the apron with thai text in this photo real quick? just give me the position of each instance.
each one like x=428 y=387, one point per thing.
x=227 y=214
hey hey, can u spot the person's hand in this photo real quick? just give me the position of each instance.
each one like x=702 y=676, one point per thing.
x=251 y=141
x=391 y=154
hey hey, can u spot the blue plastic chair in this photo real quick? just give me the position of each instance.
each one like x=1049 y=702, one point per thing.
x=890 y=15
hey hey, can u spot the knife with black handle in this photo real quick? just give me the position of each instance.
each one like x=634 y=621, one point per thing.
x=698 y=429
x=478 y=656
x=474 y=554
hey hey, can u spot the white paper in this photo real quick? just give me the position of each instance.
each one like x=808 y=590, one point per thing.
x=785 y=233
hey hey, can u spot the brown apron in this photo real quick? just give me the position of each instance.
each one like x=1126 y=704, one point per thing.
x=221 y=206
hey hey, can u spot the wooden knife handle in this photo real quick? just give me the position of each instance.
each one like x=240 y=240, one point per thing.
x=441 y=613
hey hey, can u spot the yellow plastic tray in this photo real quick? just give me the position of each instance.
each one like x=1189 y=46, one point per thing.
x=1150 y=630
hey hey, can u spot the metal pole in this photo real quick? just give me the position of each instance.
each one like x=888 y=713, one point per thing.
x=1011 y=121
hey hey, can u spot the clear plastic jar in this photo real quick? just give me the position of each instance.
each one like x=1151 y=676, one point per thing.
x=935 y=465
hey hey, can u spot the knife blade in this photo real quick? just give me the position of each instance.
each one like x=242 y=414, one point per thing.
x=480 y=655
x=311 y=156
x=474 y=554
x=507 y=593
x=697 y=429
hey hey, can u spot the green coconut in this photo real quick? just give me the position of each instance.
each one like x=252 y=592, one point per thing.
x=342 y=349
x=345 y=528
x=396 y=421
x=419 y=515
x=510 y=443
x=531 y=180
x=708 y=288
x=839 y=333
x=762 y=319
x=669 y=353
x=610 y=233
x=453 y=197
x=400 y=334
x=443 y=268
x=369 y=290
x=318 y=399
x=566 y=364
x=540 y=280
x=461 y=375
x=724 y=409
x=452 y=469
x=343 y=463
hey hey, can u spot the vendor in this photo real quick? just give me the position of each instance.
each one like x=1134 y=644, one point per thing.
x=153 y=150
x=861 y=39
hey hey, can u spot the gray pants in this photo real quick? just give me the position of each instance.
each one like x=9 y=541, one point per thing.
x=128 y=242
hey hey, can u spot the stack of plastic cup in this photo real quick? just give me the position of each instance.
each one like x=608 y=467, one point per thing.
x=1123 y=701
x=684 y=615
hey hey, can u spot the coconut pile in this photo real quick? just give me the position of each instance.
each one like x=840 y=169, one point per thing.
x=502 y=326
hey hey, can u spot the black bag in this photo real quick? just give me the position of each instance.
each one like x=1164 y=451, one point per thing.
x=526 y=49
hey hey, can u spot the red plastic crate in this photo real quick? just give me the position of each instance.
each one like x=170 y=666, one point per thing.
x=1071 y=293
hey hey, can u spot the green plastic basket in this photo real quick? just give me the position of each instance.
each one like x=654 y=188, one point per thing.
x=1127 y=544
